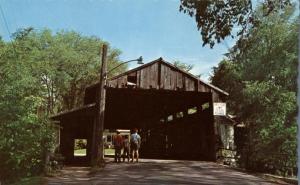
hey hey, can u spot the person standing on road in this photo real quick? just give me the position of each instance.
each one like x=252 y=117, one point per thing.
x=135 y=143
x=118 y=144
x=126 y=149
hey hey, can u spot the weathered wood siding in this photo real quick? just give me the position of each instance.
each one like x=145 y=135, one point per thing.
x=190 y=84
x=173 y=79
x=122 y=81
x=149 y=77
x=203 y=87
x=113 y=83
x=160 y=75
x=167 y=80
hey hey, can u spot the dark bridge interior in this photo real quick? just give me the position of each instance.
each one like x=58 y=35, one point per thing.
x=172 y=124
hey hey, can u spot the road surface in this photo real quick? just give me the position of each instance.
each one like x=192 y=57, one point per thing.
x=164 y=172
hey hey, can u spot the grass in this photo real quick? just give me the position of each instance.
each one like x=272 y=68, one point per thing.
x=109 y=151
x=82 y=152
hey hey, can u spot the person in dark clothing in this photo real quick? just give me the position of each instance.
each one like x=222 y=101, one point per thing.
x=118 y=144
x=126 y=148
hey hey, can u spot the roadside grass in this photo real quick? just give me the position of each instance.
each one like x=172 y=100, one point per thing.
x=109 y=151
x=82 y=152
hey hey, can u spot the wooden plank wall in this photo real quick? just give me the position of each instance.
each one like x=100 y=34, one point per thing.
x=138 y=78
x=113 y=83
x=203 y=88
x=167 y=80
x=189 y=84
x=122 y=81
x=170 y=79
x=149 y=77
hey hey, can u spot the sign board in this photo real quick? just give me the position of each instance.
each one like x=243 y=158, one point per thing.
x=219 y=109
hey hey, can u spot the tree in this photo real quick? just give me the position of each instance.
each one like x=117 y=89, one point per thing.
x=217 y=18
x=41 y=73
x=260 y=75
x=65 y=63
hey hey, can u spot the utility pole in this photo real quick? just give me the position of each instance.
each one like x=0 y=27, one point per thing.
x=97 y=144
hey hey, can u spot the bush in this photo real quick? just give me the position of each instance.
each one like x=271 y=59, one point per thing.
x=24 y=145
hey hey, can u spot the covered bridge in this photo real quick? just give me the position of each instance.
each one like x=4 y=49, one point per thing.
x=172 y=109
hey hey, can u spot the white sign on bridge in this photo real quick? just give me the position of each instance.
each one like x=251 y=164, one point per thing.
x=219 y=109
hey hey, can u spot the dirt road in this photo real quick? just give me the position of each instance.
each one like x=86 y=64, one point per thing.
x=149 y=171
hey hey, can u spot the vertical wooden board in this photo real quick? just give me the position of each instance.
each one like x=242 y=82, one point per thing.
x=203 y=88
x=168 y=77
x=179 y=81
x=189 y=84
x=163 y=77
x=173 y=75
x=200 y=87
x=176 y=80
x=186 y=81
x=154 y=76
x=138 y=77
x=142 y=78
x=159 y=75
x=145 y=78
x=162 y=81
x=171 y=79
x=192 y=84
x=151 y=76
x=148 y=77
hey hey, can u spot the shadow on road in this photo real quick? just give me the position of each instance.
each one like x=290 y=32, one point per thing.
x=157 y=172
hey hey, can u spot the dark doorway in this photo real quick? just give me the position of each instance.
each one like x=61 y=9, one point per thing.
x=173 y=124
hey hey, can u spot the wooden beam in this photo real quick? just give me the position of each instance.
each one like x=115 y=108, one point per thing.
x=159 y=74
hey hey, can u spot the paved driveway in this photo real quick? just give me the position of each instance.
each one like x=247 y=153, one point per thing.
x=148 y=171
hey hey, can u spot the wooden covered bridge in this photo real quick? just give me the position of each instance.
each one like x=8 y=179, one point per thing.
x=172 y=109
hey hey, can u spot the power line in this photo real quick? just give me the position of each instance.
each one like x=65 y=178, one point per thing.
x=5 y=22
x=7 y=28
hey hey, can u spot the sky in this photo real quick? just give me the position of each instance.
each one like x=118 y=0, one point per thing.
x=148 y=28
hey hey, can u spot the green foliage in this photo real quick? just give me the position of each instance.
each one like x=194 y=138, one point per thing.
x=260 y=76
x=80 y=144
x=41 y=73
x=216 y=19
